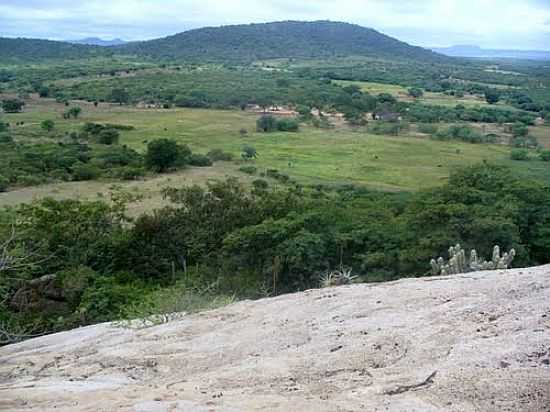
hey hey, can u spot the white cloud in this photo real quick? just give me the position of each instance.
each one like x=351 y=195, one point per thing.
x=490 y=23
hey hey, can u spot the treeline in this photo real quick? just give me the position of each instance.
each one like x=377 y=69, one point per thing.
x=232 y=241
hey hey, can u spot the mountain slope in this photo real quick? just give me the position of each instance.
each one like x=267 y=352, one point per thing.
x=36 y=49
x=473 y=342
x=290 y=39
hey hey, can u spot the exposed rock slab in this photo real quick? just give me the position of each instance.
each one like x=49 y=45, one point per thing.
x=475 y=342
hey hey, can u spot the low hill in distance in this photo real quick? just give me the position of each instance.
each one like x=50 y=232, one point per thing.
x=96 y=41
x=472 y=342
x=478 y=52
x=289 y=39
x=236 y=44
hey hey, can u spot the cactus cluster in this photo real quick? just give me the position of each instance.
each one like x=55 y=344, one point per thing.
x=458 y=263
x=337 y=278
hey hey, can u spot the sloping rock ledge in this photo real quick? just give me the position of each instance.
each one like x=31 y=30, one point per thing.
x=473 y=342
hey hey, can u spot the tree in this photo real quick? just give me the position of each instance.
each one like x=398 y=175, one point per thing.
x=266 y=124
x=519 y=154
x=72 y=112
x=492 y=96
x=416 y=92
x=12 y=105
x=249 y=153
x=163 y=154
x=120 y=96
x=47 y=125
x=519 y=130
x=44 y=91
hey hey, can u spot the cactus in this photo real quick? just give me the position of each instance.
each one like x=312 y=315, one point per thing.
x=459 y=264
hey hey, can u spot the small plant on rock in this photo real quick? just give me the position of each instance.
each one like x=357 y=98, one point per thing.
x=458 y=263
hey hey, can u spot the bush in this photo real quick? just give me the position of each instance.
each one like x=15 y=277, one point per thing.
x=388 y=128
x=249 y=153
x=83 y=171
x=250 y=170
x=428 y=128
x=47 y=125
x=260 y=184
x=12 y=105
x=128 y=172
x=199 y=160
x=219 y=155
x=108 y=137
x=4 y=183
x=519 y=154
x=287 y=125
x=460 y=132
x=545 y=155
x=266 y=124
x=416 y=92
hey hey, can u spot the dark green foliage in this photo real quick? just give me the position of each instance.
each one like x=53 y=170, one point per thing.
x=282 y=239
x=250 y=170
x=44 y=91
x=528 y=142
x=119 y=96
x=428 y=128
x=108 y=136
x=287 y=125
x=73 y=112
x=388 y=128
x=545 y=155
x=165 y=154
x=12 y=105
x=85 y=171
x=415 y=92
x=249 y=43
x=199 y=160
x=219 y=155
x=47 y=125
x=4 y=183
x=519 y=130
x=249 y=153
x=492 y=96
x=461 y=132
x=266 y=124
x=519 y=154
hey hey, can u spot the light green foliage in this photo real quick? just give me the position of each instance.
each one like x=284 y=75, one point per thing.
x=458 y=263
x=519 y=154
x=47 y=125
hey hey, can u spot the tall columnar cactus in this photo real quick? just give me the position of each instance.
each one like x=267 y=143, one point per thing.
x=459 y=264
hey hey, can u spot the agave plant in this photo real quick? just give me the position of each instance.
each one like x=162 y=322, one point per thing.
x=337 y=278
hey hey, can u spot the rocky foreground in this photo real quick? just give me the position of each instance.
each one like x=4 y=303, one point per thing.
x=475 y=342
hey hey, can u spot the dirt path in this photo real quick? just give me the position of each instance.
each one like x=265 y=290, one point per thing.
x=476 y=342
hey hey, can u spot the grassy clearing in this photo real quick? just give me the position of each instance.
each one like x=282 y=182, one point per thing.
x=438 y=99
x=336 y=156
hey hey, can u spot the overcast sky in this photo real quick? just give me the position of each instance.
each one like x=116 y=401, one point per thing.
x=523 y=24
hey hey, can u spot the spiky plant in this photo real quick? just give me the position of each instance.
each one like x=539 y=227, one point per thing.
x=459 y=264
x=337 y=278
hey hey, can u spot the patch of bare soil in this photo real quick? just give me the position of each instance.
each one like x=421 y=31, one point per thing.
x=475 y=342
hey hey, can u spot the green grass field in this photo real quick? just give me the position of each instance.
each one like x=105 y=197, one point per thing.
x=340 y=155
x=438 y=99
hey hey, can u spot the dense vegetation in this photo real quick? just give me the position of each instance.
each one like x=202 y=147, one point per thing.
x=233 y=241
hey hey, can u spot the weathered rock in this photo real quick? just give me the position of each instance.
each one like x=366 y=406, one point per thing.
x=476 y=342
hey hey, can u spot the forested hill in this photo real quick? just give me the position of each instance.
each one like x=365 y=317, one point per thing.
x=289 y=39
x=35 y=49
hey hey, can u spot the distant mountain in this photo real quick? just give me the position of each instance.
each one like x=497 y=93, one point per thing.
x=290 y=39
x=96 y=41
x=478 y=52
x=36 y=49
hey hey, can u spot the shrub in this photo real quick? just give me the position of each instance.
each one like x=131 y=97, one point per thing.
x=4 y=183
x=219 y=155
x=519 y=154
x=416 y=92
x=266 y=124
x=108 y=137
x=428 y=128
x=249 y=153
x=388 y=128
x=84 y=171
x=519 y=130
x=128 y=172
x=250 y=170
x=199 y=160
x=47 y=125
x=260 y=184
x=287 y=125
x=12 y=105
x=545 y=155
